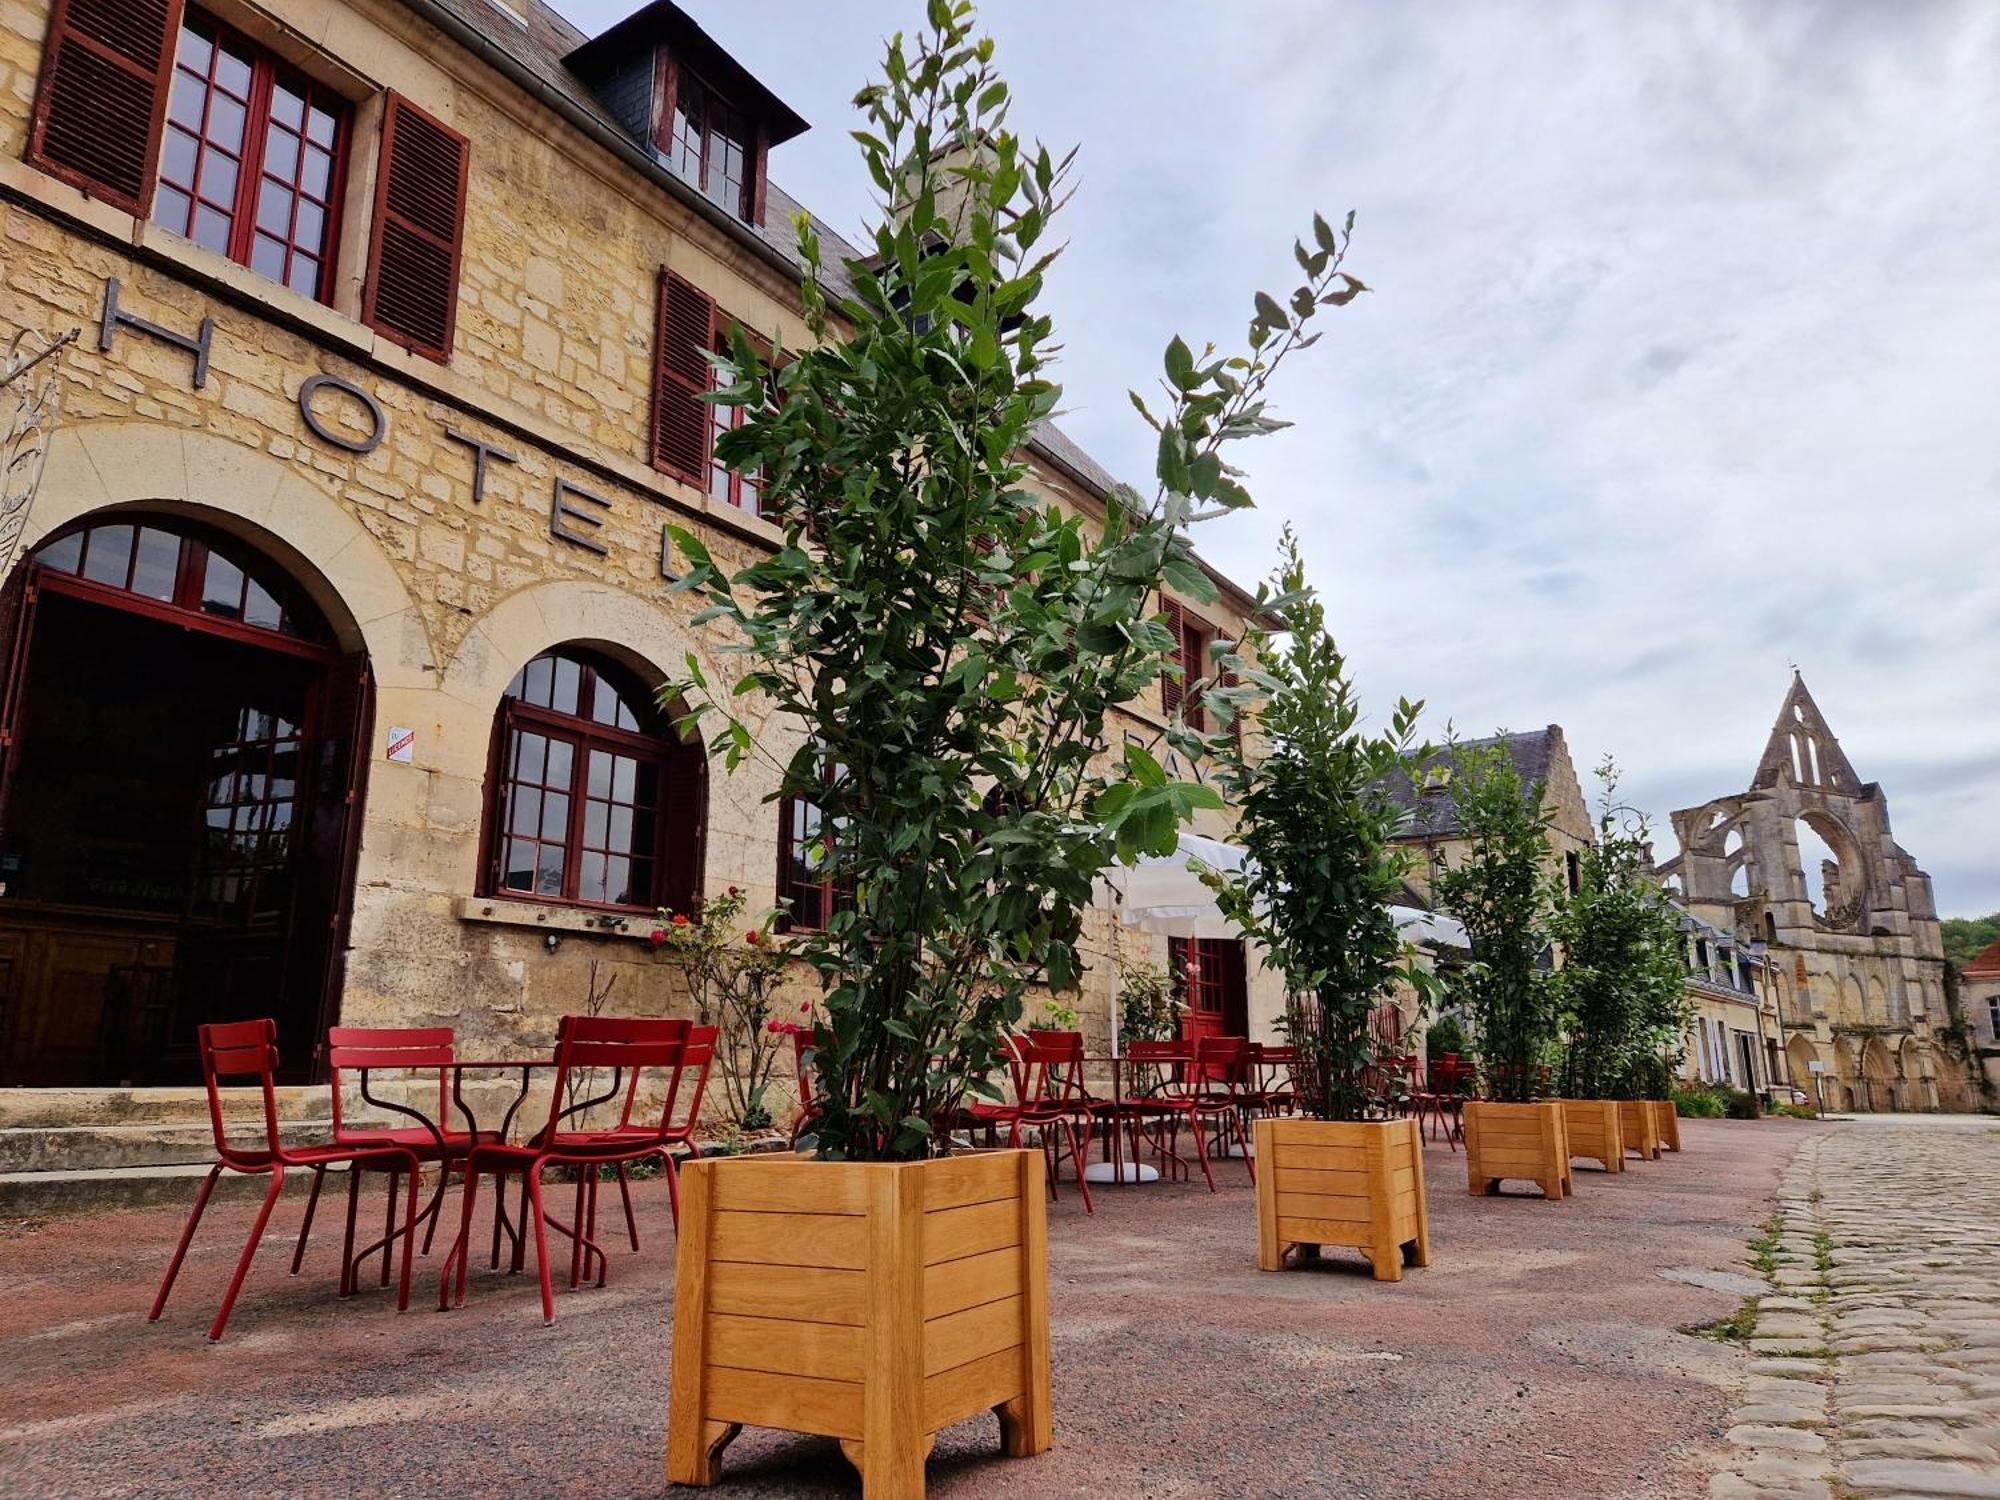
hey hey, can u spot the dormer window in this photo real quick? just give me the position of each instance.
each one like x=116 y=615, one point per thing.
x=703 y=115
x=710 y=145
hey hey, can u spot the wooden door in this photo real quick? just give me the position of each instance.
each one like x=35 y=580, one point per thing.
x=1213 y=981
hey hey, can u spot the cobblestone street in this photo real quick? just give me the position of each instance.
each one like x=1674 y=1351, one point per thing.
x=1878 y=1369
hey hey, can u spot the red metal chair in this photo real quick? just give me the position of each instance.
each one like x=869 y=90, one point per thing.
x=1222 y=1097
x=1045 y=1069
x=583 y=1043
x=684 y=1096
x=356 y=1049
x=1157 y=1098
x=249 y=1049
x=1274 y=1088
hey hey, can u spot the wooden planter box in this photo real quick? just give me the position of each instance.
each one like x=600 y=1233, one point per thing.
x=872 y=1302
x=1667 y=1119
x=1342 y=1182
x=1642 y=1128
x=1595 y=1131
x=1525 y=1142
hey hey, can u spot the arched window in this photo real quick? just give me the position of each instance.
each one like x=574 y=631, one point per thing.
x=162 y=571
x=595 y=802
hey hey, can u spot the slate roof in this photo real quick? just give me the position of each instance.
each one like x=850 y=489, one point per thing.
x=1986 y=964
x=1435 y=813
x=541 y=50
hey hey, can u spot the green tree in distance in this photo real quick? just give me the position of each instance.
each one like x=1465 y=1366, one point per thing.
x=1622 y=981
x=1318 y=822
x=1503 y=895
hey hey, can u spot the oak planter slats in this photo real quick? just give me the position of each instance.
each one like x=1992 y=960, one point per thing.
x=1595 y=1131
x=870 y=1302
x=1342 y=1182
x=1668 y=1121
x=1524 y=1142
x=1641 y=1126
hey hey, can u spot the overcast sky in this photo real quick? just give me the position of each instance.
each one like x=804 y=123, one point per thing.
x=1682 y=363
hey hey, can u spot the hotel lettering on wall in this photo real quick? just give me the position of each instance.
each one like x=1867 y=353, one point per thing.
x=575 y=513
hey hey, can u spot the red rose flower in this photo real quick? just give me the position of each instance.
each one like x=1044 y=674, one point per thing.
x=680 y=919
x=657 y=937
x=750 y=938
x=732 y=890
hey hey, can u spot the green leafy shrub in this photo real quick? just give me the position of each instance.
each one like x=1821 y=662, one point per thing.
x=1505 y=899
x=1319 y=824
x=1445 y=1035
x=1698 y=1101
x=949 y=644
x=1149 y=1007
x=1795 y=1111
x=1739 y=1104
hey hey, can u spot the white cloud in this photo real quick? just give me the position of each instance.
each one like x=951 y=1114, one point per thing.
x=1680 y=365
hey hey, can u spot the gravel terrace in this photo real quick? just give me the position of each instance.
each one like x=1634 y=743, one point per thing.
x=1539 y=1356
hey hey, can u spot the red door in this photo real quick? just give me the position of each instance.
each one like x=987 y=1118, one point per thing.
x=1213 y=984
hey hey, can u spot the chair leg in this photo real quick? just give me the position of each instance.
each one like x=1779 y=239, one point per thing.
x=534 y=1186
x=1076 y=1156
x=1243 y=1141
x=1201 y=1151
x=625 y=1192
x=576 y=1239
x=409 y=1236
x=389 y=1220
x=305 y=1229
x=249 y=1253
x=673 y=1166
x=436 y=1211
x=461 y=1249
x=521 y=1227
x=347 y=1275
x=187 y=1238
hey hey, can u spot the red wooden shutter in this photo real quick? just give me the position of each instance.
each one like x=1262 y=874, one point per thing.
x=1171 y=692
x=683 y=336
x=419 y=232
x=1194 y=644
x=1230 y=680
x=102 y=94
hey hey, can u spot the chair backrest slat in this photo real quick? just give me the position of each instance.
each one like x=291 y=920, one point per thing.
x=240 y=1049
x=399 y=1047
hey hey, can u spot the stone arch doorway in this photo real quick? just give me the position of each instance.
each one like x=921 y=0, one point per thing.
x=1880 y=1078
x=1800 y=1055
x=181 y=760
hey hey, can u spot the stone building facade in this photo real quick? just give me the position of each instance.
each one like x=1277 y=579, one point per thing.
x=387 y=310
x=1734 y=1036
x=1979 y=1001
x=1806 y=862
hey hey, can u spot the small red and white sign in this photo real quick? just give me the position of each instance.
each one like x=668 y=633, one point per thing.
x=402 y=745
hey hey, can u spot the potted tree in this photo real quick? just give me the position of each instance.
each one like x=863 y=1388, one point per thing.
x=1621 y=973
x=943 y=650
x=1502 y=893
x=1318 y=820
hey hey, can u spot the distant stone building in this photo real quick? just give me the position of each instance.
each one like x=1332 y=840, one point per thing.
x=1979 y=998
x=1806 y=862
x=1541 y=758
x=1733 y=1029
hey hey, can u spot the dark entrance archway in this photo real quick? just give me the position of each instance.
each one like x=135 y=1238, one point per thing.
x=180 y=782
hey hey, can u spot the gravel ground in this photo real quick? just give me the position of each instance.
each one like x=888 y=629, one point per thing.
x=1538 y=1356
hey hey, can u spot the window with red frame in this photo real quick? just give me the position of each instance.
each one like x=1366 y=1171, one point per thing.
x=1182 y=695
x=250 y=158
x=592 y=790
x=804 y=880
x=744 y=491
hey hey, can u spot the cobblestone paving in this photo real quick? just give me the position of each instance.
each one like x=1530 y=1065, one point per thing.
x=1877 y=1368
